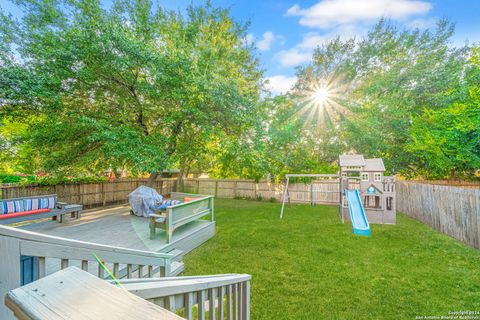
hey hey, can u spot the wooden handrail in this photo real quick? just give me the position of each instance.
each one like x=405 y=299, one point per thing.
x=43 y=238
x=15 y=243
x=223 y=295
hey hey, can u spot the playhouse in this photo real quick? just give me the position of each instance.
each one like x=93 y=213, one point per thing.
x=365 y=194
x=376 y=191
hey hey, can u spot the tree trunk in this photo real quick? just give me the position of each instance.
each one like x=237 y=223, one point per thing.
x=151 y=179
x=180 y=181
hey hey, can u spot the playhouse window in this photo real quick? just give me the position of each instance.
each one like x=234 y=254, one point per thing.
x=364 y=176
x=377 y=176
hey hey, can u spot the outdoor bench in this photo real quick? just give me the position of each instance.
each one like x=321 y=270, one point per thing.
x=175 y=216
x=36 y=207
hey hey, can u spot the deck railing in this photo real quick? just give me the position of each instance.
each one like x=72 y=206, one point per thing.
x=54 y=253
x=220 y=297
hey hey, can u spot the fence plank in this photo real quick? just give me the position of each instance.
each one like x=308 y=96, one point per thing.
x=452 y=210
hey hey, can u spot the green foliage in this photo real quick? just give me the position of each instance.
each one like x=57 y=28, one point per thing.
x=48 y=180
x=134 y=87
x=410 y=98
x=446 y=141
x=11 y=178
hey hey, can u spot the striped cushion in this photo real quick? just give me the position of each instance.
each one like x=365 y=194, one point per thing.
x=171 y=202
x=35 y=204
x=168 y=203
x=47 y=203
x=13 y=206
x=18 y=205
x=52 y=202
x=7 y=207
x=27 y=204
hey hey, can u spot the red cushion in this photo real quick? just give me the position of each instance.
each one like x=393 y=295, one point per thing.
x=21 y=214
x=188 y=199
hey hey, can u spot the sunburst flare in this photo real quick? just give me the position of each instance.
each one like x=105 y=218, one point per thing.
x=321 y=102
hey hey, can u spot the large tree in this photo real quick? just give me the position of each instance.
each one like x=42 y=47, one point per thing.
x=387 y=81
x=133 y=87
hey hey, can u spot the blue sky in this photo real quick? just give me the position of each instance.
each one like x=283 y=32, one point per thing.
x=286 y=31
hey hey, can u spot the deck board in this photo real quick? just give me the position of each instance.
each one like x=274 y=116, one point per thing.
x=113 y=226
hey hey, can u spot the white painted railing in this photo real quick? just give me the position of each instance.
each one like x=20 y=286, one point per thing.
x=213 y=297
x=15 y=243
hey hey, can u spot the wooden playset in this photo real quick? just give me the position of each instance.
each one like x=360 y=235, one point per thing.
x=377 y=191
x=365 y=193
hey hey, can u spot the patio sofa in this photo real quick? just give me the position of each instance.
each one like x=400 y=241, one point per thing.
x=36 y=207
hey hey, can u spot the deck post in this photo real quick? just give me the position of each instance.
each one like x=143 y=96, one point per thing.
x=212 y=208
x=9 y=271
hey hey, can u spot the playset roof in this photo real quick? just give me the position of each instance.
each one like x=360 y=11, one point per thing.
x=352 y=160
x=375 y=164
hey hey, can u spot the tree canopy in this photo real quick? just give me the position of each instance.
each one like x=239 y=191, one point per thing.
x=85 y=89
x=131 y=87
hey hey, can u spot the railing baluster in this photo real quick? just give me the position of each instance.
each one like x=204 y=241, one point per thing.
x=140 y=271
x=169 y=303
x=188 y=303
x=41 y=269
x=85 y=265
x=115 y=269
x=101 y=273
x=64 y=264
x=162 y=272
x=201 y=305
x=211 y=303
x=129 y=271
x=229 y=303
x=246 y=300
x=235 y=301
x=221 y=293
x=150 y=271
x=239 y=297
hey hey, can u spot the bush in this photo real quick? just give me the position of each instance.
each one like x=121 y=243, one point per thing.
x=49 y=180
x=11 y=178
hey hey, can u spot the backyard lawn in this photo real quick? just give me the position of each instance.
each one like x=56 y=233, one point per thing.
x=310 y=266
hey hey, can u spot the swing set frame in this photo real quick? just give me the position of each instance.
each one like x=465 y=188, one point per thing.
x=286 y=195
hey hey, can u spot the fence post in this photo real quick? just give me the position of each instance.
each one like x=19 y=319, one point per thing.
x=104 y=196
x=216 y=188
x=235 y=187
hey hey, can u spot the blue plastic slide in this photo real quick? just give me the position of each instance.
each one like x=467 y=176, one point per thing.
x=357 y=214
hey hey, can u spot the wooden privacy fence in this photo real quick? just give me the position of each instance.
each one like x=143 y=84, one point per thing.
x=88 y=194
x=451 y=210
x=321 y=191
x=114 y=192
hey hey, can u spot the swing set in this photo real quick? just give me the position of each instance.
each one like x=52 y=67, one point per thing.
x=296 y=177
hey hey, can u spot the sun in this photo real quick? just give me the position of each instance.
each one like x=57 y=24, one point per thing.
x=321 y=95
x=321 y=102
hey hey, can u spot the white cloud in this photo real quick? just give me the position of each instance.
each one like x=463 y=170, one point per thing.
x=266 y=41
x=292 y=57
x=331 y=13
x=280 y=84
x=302 y=52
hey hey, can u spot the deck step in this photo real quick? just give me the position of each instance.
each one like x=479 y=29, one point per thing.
x=177 y=254
x=177 y=268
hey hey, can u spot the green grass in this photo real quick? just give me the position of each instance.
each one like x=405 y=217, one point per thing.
x=310 y=266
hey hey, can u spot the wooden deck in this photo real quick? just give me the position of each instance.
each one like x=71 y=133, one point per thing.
x=115 y=226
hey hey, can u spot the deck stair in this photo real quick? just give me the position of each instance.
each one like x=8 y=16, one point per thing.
x=177 y=254
x=177 y=267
